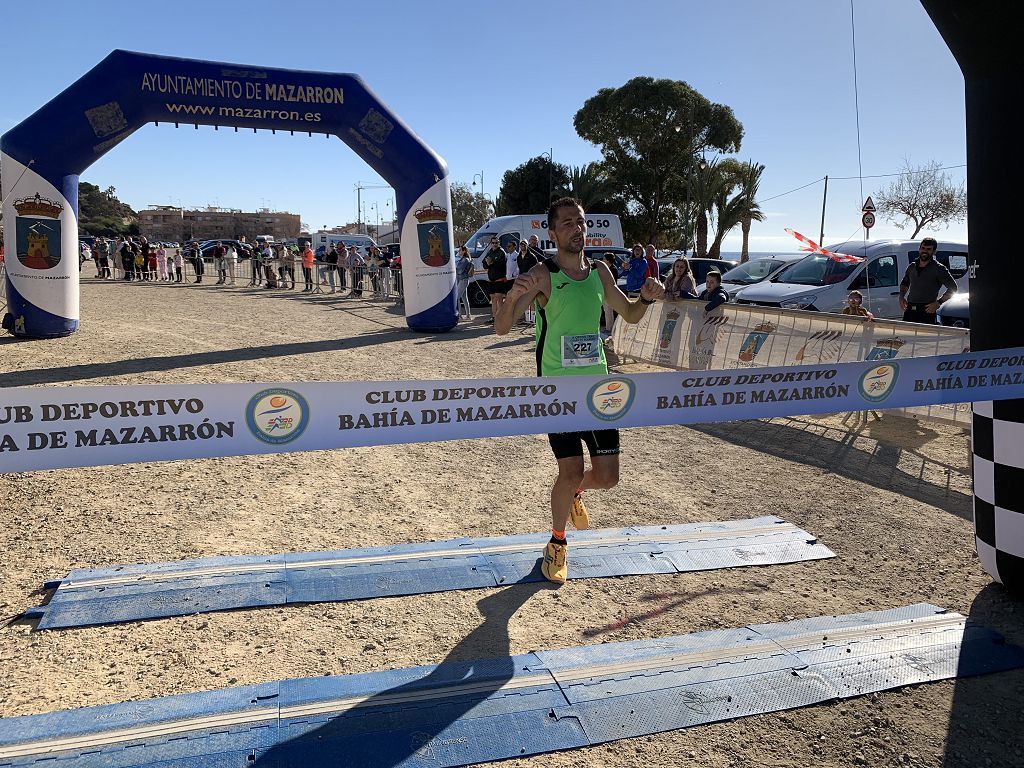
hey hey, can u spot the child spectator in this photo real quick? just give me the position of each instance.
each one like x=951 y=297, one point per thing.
x=713 y=293
x=853 y=306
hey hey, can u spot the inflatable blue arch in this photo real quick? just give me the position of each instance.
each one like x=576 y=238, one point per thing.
x=41 y=160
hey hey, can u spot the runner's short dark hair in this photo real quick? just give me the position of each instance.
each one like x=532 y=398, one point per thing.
x=930 y=241
x=562 y=202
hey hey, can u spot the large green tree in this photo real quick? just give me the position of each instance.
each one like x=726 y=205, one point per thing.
x=525 y=189
x=101 y=213
x=470 y=211
x=649 y=132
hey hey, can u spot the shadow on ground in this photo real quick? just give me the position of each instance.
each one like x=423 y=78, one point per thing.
x=799 y=441
x=378 y=733
x=71 y=373
x=986 y=721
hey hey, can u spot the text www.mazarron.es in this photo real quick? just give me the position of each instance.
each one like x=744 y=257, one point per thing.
x=255 y=113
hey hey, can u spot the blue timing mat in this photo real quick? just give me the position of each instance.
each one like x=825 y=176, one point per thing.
x=458 y=713
x=132 y=592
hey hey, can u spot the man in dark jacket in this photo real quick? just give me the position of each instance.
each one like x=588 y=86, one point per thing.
x=497 y=280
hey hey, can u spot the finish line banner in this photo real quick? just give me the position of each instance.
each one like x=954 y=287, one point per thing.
x=681 y=335
x=55 y=427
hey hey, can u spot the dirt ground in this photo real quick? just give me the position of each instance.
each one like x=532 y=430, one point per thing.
x=890 y=497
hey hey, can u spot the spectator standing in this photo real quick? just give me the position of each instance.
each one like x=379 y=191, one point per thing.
x=102 y=251
x=525 y=258
x=220 y=262
x=141 y=251
x=385 y=271
x=161 y=262
x=373 y=269
x=179 y=265
x=255 y=265
x=497 y=282
x=511 y=262
x=679 y=284
x=652 y=262
x=636 y=270
x=329 y=267
x=232 y=262
x=268 y=266
x=919 y=289
x=356 y=264
x=463 y=271
x=307 y=267
x=197 y=262
x=127 y=255
x=114 y=256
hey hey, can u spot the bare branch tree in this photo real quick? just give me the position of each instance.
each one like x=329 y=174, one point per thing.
x=922 y=196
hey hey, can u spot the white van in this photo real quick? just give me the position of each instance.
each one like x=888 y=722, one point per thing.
x=821 y=283
x=322 y=241
x=604 y=230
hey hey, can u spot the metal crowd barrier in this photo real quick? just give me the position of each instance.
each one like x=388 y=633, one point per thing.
x=359 y=281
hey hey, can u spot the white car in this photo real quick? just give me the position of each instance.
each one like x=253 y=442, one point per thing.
x=821 y=283
x=753 y=272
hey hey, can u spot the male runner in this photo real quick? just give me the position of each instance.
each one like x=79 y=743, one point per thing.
x=569 y=291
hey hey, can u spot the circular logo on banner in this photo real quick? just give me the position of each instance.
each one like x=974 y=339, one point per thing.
x=277 y=416
x=877 y=383
x=611 y=399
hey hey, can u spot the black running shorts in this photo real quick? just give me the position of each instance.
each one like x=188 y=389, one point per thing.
x=600 y=442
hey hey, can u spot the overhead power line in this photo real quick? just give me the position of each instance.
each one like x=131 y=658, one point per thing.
x=872 y=176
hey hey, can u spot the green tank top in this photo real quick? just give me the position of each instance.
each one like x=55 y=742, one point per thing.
x=569 y=326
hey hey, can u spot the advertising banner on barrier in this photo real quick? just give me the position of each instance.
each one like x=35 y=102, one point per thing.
x=681 y=335
x=48 y=428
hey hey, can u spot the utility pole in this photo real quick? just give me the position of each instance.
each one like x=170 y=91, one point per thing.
x=824 y=197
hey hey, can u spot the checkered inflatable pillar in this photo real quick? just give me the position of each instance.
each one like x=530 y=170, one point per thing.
x=983 y=37
x=998 y=447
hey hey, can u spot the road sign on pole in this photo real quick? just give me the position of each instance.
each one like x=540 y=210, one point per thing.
x=868 y=219
x=869 y=205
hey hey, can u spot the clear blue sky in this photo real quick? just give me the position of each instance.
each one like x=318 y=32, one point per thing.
x=489 y=85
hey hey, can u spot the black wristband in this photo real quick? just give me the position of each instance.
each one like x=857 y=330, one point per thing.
x=646 y=301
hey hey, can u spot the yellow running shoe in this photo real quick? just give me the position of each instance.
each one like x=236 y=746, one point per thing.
x=554 y=565
x=580 y=518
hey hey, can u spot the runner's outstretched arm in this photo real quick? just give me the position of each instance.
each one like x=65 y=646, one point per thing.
x=632 y=310
x=522 y=293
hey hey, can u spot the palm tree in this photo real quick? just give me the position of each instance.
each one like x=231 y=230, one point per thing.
x=734 y=203
x=749 y=183
x=705 y=180
x=589 y=184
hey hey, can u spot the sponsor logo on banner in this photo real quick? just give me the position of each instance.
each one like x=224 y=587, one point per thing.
x=611 y=399
x=668 y=328
x=38 y=232
x=827 y=343
x=277 y=416
x=886 y=349
x=433 y=235
x=751 y=345
x=876 y=384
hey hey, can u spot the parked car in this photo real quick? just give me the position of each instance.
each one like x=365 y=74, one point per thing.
x=753 y=272
x=821 y=283
x=957 y=311
x=207 y=246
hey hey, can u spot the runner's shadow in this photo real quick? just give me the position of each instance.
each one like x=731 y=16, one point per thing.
x=986 y=721
x=392 y=725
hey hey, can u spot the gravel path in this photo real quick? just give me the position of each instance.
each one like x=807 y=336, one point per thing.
x=890 y=497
